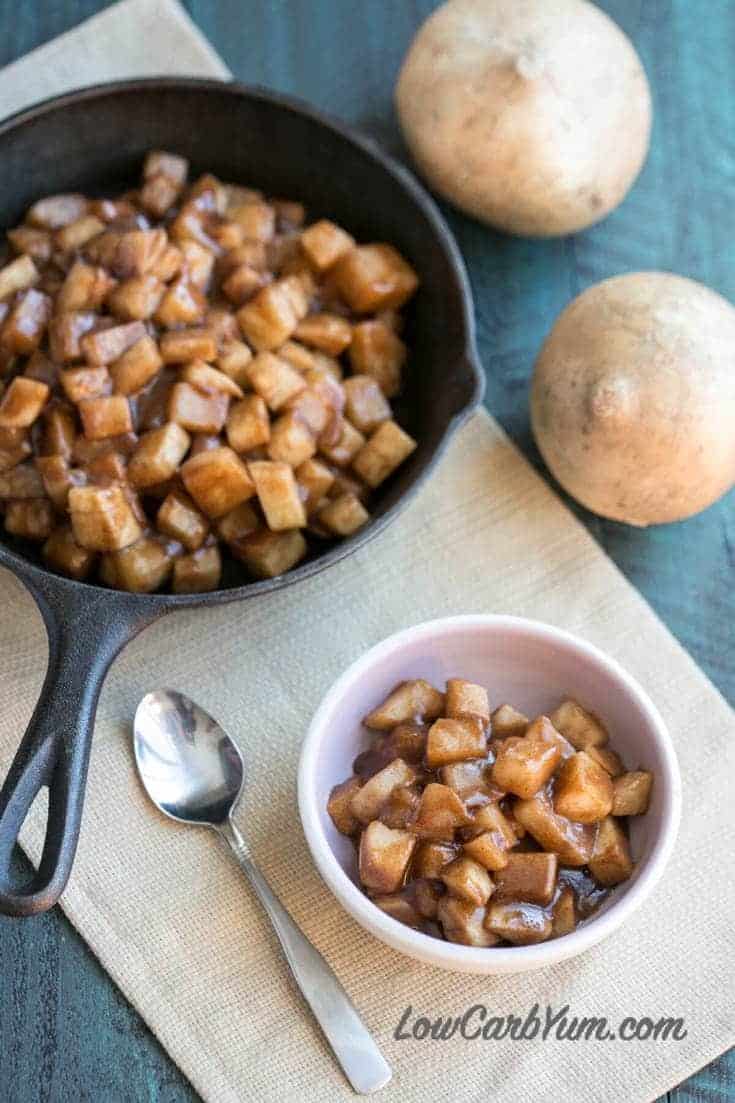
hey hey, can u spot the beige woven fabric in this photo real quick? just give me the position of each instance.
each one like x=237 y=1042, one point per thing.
x=167 y=912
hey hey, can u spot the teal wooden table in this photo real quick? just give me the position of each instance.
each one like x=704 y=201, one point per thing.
x=65 y=1030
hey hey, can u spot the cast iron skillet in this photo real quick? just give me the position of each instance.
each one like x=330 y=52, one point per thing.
x=93 y=141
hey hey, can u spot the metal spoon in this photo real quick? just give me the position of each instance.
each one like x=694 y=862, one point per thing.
x=193 y=772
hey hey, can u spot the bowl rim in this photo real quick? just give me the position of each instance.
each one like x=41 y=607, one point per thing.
x=449 y=955
x=468 y=402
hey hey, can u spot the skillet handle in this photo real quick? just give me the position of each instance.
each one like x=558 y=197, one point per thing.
x=468 y=388
x=86 y=630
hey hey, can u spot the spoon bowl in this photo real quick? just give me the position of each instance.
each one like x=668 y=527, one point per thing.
x=190 y=767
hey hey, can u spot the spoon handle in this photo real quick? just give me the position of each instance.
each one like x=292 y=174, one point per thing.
x=361 y=1060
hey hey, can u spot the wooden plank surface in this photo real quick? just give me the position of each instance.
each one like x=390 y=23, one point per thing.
x=65 y=1030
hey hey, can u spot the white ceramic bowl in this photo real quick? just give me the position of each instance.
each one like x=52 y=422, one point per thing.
x=532 y=666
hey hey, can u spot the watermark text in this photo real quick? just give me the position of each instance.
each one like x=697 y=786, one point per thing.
x=478 y=1023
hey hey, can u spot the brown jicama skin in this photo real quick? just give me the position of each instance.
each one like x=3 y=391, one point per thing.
x=534 y=116
x=633 y=398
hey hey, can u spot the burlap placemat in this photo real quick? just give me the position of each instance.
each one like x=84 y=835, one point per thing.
x=167 y=912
